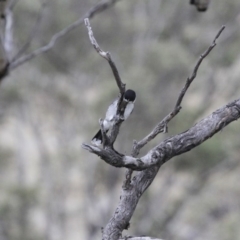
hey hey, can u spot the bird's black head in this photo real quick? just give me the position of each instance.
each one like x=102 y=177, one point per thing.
x=130 y=95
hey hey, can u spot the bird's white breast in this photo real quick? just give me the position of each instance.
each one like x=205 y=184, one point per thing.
x=112 y=111
x=128 y=110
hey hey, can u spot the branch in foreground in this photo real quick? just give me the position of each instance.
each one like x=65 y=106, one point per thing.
x=175 y=145
x=133 y=189
x=91 y=13
x=170 y=147
x=110 y=156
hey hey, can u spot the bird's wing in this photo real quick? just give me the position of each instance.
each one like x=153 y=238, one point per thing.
x=112 y=110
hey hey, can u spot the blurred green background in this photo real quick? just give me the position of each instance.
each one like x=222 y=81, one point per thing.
x=51 y=189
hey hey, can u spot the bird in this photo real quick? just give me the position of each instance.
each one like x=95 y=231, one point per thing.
x=129 y=98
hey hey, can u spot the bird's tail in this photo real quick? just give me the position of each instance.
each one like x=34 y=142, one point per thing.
x=97 y=139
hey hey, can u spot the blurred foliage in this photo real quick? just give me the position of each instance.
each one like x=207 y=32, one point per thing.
x=50 y=188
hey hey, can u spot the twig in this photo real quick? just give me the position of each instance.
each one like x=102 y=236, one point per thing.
x=32 y=33
x=105 y=55
x=195 y=70
x=91 y=13
x=8 y=33
x=112 y=157
x=162 y=126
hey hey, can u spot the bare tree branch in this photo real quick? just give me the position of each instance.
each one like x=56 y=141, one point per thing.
x=109 y=155
x=32 y=33
x=195 y=70
x=105 y=55
x=134 y=188
x=8 y=33
x=162 y=126
x=91 y=13
x=175 y=145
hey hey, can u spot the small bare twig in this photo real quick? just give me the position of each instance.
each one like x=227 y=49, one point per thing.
x=91 y=13
x=8 y=33
x=32 y=33
x=195 y=70
x=105 y=55
x=162 y=126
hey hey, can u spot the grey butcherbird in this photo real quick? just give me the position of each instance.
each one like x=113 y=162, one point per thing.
x=129 y=98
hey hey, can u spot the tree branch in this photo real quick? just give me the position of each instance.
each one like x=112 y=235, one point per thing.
x=32 y=33
x=91 y=13
x=110 y=156
x=195 y=70
x=8 y=33
x=105 y=55
x=175 y=145
x=134 y=188
x=162 y=126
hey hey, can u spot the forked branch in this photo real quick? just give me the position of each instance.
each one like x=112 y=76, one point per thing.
x=149 y=164
x=11 y=62
x=152 y=157
x=91 y=13
x=175 y=145
x=162 y=126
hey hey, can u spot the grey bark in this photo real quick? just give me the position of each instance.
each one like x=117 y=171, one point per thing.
x=175 y=145
x=163 y=152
